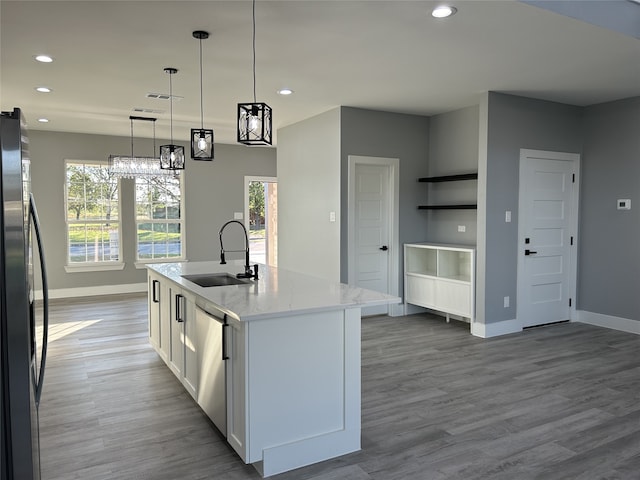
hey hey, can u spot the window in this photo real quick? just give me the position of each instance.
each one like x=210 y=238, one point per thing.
x=159 y=221
x=92 y=201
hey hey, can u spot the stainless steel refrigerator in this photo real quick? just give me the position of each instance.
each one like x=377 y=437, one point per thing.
x=23 y=327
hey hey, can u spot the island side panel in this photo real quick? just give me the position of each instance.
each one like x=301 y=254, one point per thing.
x=303 y=389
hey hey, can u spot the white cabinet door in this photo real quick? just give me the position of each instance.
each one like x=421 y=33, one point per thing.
x=421 y=291
x=176 y=315
x=454 y=297
x=189 y=345
x=237 y=387
x=154 y=310
x=182 y=325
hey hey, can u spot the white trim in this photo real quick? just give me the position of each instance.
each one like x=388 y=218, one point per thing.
x=573 y=158
x=394 y=218
x=94 y=291
x=495 y=329
x=609 y=321
x=94 y=267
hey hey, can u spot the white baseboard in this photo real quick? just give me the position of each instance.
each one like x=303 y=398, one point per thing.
x=609 y=321
x=94 y=291
x=495 y=329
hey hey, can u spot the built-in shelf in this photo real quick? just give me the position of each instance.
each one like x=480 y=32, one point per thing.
x=449 y=178
x=448 y=207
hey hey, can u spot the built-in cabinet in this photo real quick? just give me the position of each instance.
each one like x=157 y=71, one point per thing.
x=205 y=350
x=440 y=277
x=172 y=329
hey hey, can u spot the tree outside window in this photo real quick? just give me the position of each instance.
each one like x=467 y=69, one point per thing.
x=92 y=205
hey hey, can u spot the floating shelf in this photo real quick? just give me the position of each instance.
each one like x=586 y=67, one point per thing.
x=448 y=207
x=450 y=178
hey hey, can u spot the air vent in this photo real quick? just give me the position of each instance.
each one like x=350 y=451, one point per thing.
x=147 y=110
x=163 y=96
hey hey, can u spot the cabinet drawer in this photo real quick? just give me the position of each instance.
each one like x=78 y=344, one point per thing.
x=421 y=291
x=453 y=297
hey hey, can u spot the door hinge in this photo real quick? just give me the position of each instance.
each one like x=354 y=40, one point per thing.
x=569 y=302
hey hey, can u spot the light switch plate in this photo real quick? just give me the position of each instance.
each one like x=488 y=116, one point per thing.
x=237 y=215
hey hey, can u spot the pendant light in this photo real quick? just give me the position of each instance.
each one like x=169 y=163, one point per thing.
x=201 y=138
x=254 y=119
x=132 y=166
x=171 y=156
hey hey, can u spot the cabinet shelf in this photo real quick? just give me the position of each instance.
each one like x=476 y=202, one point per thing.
x=469 y=206
x=449 y=178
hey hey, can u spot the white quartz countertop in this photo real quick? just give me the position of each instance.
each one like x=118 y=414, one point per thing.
x=277 y=292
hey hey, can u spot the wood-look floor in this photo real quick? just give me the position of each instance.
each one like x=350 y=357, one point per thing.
x=557 y=402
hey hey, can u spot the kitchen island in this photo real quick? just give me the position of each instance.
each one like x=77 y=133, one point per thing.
x=274 y=363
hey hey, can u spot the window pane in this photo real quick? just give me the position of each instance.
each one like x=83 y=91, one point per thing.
x=93 y=229
x=159 y=222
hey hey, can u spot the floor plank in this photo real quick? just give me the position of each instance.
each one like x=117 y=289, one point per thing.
x=557 y=402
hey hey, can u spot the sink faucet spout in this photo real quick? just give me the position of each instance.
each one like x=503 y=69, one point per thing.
x=247 y=269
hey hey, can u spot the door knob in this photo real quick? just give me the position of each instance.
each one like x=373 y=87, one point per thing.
x=529 y=252
x=384 y=248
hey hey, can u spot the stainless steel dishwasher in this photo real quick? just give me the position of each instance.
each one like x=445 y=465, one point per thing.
x=212 y=356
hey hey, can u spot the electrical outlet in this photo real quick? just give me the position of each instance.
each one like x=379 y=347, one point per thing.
x=506 y=302
x=332 y=216
x=237 y=215
x=507 y=216
x=462 y=228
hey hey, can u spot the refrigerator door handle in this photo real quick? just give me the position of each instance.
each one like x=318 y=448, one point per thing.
x=33 y=213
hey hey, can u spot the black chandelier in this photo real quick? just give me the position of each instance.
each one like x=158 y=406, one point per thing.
x=254 y=119
x=201 y=138
x=171 y=156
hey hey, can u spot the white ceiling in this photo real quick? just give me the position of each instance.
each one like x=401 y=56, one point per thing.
x=381 y=55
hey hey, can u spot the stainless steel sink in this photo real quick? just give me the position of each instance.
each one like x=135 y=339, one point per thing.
x=215 y=279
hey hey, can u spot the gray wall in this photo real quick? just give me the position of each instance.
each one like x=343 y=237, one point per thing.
x=453 y=149
x=308 y=189
x=392 y=135
x=213 y=191
x=513 y=123
x=609 y=253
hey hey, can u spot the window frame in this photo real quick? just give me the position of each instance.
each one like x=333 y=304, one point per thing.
x=90 y=266
x=142 y=262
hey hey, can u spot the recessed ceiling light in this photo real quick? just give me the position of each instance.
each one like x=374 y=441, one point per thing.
x=44 y=89
x=443 y=11
x=285 y=91
x=43 y=120
x=44 y=58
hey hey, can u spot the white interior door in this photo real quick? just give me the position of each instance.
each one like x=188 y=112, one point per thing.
x=372 y=230
x=547 y=236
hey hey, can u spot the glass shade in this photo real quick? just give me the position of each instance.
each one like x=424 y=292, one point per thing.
x=201 y=144
x=171 y=157
x=254 y=123
x=124 y=166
